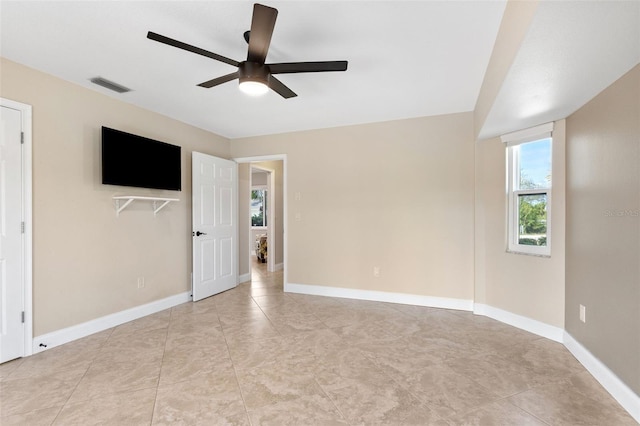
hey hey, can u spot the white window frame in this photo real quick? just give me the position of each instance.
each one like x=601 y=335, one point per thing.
x=513 y=141
x=264 y=211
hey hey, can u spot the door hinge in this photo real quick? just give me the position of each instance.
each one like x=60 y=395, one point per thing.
x=22 y=227
x=23 y=317
x=21 y=137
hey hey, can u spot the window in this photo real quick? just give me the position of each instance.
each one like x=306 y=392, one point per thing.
x=529 y=191
x=258 y=207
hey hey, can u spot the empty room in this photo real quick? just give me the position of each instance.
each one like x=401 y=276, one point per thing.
x=320 y=212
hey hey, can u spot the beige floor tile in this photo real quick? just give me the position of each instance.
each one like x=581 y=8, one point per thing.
x=319 y=342
x=209 y=399
x=76 y=354
x=205 y=306
x=447 y=392
x=109 y=377
x=250 y=330
x=185 y=322
x=398 y=356
x=560 y=403
x=372 y=399
x=274 y=383
x=249 y=354
x=235 y=318
x=128 y=408
x=348 y=368
x=308 y=410
x=159 y=320
x=18 y=396
x=43 y=417
x=256 y=355
x=7 y=368
x=286 y=309
x=499 y=413
x=498 y=372
x=179 y=366
x=296 y=323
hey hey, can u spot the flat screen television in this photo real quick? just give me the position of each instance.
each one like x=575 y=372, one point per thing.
x=131 y=160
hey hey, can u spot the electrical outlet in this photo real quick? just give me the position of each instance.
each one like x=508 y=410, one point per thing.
x=298 y=216
x=376 y=271
x=140 y=282
x=297 y=196
x=583 y=313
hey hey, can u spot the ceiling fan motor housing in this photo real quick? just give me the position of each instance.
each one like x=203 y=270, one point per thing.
x=253 y=71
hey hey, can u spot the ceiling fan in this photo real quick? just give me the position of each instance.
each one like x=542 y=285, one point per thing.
x=255 y=76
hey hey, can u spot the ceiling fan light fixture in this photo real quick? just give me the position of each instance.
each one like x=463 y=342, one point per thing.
x=253 y=88
x=254 y=78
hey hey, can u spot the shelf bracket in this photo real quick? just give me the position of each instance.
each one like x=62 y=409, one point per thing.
x=119 y=208
x=157 y=208
x=158 y=202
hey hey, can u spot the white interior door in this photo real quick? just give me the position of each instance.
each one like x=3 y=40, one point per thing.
x=215 y=229
x=12 y=328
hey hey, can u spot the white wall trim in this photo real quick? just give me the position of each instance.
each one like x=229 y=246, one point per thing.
x=524 y=323
x=244 y=278
x=527 y=135
x=65 y=335
x=278 y=267
x=381 y=296
x=629 y=400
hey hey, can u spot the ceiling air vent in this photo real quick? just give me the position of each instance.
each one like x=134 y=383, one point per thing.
x=109 y=85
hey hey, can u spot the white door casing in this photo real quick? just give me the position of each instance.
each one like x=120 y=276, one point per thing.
x=15 y=226
x=215 y=253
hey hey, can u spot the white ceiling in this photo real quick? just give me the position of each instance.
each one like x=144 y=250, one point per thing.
x=406 y=58
x=573 y=50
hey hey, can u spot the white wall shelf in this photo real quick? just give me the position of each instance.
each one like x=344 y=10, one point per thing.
x=158 y=202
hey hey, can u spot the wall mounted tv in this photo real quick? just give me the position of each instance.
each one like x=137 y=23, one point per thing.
x=130 y=160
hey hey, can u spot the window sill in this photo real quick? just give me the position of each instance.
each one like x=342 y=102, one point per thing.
x=527 y=253
x=259 y=228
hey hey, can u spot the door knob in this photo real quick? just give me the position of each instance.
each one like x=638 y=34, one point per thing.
x=198 y=233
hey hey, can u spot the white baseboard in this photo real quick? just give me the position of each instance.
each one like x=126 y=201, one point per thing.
x=59 y=337
x=380 y=296
x=244 y=278
x=629 y=400
x=524 y=323
x=278 y=267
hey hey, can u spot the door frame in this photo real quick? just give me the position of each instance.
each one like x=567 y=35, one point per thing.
x=283 y=158
x=27 y=218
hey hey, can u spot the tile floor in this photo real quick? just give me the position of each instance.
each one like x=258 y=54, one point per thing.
x=255 y=355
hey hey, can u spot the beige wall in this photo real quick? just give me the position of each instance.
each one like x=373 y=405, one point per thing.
x=86 y=260
x=397 y=195
x=603 y=227
x=530 y=286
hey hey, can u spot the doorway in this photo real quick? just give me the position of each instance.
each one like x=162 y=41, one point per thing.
x=270 y=182
x=16 y=333
x=262 y=210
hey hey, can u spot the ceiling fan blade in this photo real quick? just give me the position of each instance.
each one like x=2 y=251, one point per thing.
x=180 y=45
x=295 y=67
x=279 y=87
x=219 y=80
x=262 y=24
